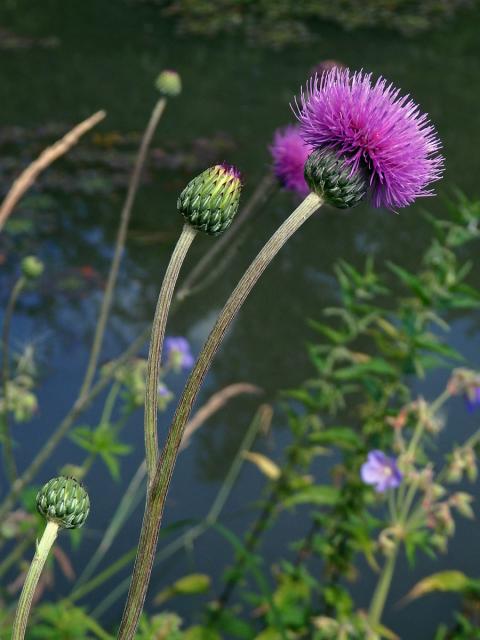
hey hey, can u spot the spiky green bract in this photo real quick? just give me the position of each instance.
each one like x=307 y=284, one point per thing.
x=64 y=501
x=330 y=176
x=169 y=83
x=210 y=201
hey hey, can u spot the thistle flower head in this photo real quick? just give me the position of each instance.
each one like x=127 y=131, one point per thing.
x=210 y=201
x=375 y=128
x=381 y=471
x=289 y=153
x=169 y=83
x=64 y=501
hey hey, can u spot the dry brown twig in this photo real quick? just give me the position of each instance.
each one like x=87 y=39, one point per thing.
x=215 y=402
x=45 y=159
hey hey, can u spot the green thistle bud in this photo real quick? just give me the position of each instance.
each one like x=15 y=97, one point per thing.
x=32 y=267
x=169 y=84
x=210 y=201
x=330 y=177
x=64 y=501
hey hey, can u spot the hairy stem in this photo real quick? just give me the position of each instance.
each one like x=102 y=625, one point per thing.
x=6 y=435
x=24 y=604
x=120 y=245
x=156 y=345
x=160 y=483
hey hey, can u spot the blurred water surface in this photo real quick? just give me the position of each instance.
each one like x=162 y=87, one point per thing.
x=107 y=55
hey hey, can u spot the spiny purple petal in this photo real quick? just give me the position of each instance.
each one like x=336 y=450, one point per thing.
x=289 y=153
x=376 y=128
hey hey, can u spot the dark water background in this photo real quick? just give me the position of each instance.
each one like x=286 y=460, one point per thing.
x=108 y=56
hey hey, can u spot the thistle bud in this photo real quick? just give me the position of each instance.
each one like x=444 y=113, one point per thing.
x=331 y=177
x=64 y=501
x=210 y=201
x=169 y=83
x=32 y=267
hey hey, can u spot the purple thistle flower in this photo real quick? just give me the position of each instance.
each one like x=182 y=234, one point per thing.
x=376 y=129
x=178 y=353
x=472 y=398
x=289 y=154
x=381 y=471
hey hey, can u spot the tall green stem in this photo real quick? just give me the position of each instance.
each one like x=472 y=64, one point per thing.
x=156 y=345
x=381 y=591
x=120 y=245
x=6 y=435
x=31 y=581
x=160 y=483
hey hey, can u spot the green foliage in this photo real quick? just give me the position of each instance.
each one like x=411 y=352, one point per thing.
x=66 y=622
x=281 y=22
x=103 y=442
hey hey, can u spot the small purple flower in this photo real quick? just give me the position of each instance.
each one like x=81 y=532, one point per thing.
x=178 y=353
x=289 y=154
x=381 y=471
x=472 y=398
x=376 y=129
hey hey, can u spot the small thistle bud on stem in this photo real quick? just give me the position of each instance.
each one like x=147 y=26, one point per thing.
x=65 y=504
x=32 y=268
x=169 y=83
x=210 y=201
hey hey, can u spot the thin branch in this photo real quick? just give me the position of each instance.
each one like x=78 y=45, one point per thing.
x=44 y=160
x=214 y=404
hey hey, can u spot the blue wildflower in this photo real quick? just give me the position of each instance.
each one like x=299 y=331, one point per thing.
x=381 y=471
x=178 y=353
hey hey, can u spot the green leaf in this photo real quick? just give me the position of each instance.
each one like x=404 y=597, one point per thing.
x=451 y=581
x=316 y=494
x=342 y=437
x=192 y=584
x=414 y=283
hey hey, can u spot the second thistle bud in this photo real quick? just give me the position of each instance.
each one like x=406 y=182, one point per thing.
x=32 y=267
x=64 y=501
x=210 y=201
x=329 y=175
x=169 y=83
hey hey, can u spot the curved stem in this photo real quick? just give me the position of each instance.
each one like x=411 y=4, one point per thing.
x=6 y=435
x=24 y=604
x=156 y=344
x=382 y=588
x=159 y=484
x=120 y=245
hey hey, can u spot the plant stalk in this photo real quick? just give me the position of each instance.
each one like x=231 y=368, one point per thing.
x=120 y=245
x=160 y=482
x=381 y=591
x=24 y=604
x=156 y=345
